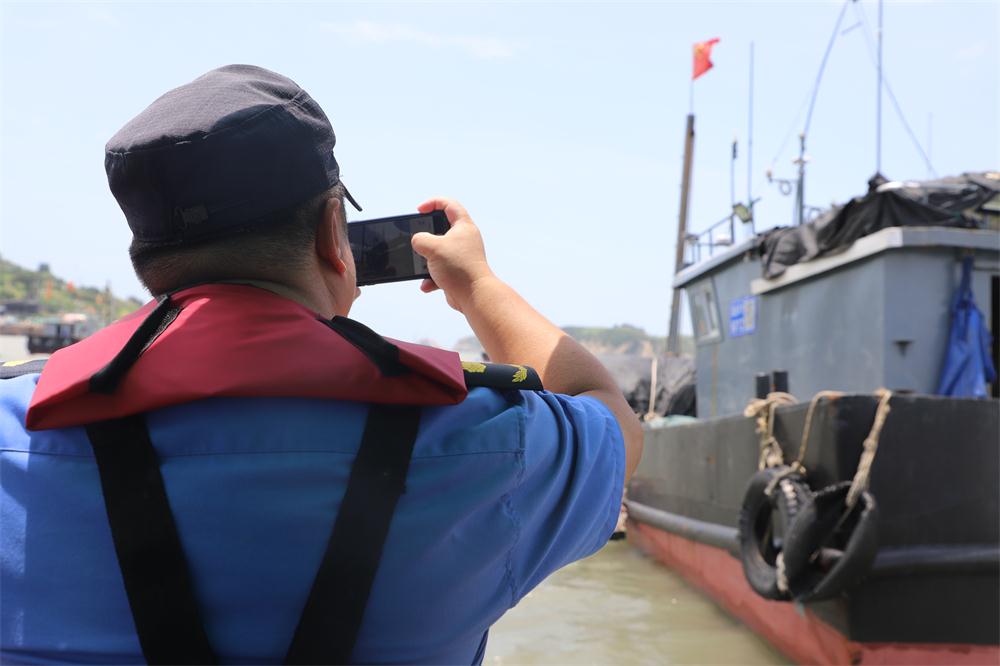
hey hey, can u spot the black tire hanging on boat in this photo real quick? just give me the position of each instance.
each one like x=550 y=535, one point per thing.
x=760 y=542
x=828 y=550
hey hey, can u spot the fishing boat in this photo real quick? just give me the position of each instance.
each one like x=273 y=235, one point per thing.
x=828 y=495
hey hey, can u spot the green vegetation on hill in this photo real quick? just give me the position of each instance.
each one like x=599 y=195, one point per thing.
x=625 y=339
x=622 y=337
x=55 y=295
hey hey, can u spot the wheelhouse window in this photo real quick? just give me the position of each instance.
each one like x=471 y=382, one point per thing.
x=704 y=313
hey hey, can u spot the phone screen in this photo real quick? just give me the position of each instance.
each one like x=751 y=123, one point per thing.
x=382 y=250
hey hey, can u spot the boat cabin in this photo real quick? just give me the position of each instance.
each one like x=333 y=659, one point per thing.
x=874 y=312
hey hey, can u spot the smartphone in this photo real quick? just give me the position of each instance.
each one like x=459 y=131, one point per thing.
x=382 y=250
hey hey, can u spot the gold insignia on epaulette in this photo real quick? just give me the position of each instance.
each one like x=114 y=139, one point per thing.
x=520 y=375
x=11 y=364
x=472 y=366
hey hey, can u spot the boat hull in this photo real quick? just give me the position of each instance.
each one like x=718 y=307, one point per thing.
x=794 y=630
x=933 y=594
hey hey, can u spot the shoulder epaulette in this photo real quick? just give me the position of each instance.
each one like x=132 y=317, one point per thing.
x=11 y=369
x=501 y=376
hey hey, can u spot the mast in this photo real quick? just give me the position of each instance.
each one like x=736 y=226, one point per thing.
x=675 y=301
x=750 y=138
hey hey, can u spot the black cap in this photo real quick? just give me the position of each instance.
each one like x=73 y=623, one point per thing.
x=209 y=158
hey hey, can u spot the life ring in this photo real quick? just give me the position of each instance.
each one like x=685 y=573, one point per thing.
x=772 y=501
x=830 y=547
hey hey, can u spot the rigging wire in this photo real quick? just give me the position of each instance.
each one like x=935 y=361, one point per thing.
x=888 y=89
x=791 y=130
x=810 y=97
x=822 y=65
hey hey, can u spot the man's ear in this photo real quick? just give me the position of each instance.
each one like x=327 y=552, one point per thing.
x=331 y=236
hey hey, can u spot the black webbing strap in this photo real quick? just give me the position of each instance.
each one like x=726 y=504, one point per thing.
x=107 y=379
x=155 y=572
x=332 y=616
x=149 y=552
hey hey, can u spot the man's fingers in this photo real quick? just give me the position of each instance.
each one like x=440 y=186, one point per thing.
x=435 y=203
x=454 y=211
x=427 y=286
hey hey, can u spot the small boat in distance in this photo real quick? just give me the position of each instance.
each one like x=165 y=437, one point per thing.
x=54 y=333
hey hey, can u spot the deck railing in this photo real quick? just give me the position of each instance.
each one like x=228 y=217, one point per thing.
x=710 y=240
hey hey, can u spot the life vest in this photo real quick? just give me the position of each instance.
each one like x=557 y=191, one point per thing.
x=221 y=340
x=232 y=340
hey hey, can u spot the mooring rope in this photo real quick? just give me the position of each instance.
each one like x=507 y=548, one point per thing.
x=807 y=428
x=860 y=482
x=762 y=409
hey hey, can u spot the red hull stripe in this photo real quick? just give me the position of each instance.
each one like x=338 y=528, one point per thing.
x=800 y=635
x=233 y=340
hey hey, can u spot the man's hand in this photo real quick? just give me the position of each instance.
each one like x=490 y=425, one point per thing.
x=510 y=330
x=457 y=260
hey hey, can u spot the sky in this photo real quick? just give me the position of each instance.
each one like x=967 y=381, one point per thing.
x=559 y=126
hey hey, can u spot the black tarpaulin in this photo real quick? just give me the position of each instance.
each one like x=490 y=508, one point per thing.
x=970 y=201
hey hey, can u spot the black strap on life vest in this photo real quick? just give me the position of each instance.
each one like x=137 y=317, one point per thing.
x=332 y=617
x=107 y=379
x=155 y=572
x=149 y=551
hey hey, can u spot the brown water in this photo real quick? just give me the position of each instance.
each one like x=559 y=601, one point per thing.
x=621 y=607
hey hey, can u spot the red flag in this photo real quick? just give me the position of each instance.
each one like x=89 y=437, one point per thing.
x=702 y=51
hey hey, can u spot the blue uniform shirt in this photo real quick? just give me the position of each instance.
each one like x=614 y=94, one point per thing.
x=503 y=489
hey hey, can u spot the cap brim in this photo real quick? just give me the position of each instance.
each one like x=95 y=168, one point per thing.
x=349 y=197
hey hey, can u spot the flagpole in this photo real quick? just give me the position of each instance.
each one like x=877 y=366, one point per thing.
x=700 y=65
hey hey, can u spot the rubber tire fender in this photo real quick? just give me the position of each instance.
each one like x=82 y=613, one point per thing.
x=758 y=549
x=819 y=525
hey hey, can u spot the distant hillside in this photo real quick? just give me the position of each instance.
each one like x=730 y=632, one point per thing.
x=55 y=295
x=621 y=339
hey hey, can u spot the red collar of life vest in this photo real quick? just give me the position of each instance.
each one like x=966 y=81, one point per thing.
x=224 y=340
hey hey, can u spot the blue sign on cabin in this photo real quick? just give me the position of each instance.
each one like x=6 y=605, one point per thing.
x=743 y=316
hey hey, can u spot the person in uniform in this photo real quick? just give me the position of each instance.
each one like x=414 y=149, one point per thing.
x=238 y=472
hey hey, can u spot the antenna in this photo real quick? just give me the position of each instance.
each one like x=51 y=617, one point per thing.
x=732 y=194
x=878 y=105
x=800 y=184
x=930 y=137
x=871 y=49
x=732 y=172
x=800 y=189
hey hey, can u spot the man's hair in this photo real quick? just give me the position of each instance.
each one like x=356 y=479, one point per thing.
x=276 y=245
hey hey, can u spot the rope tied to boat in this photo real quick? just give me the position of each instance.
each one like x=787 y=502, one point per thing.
x=762 y=409
x=828 y=537
x=779 y=477
x=781 y=572
x=861 y=477
x=807 y=427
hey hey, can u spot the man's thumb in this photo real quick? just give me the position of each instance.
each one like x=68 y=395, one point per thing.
x=424 y=243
